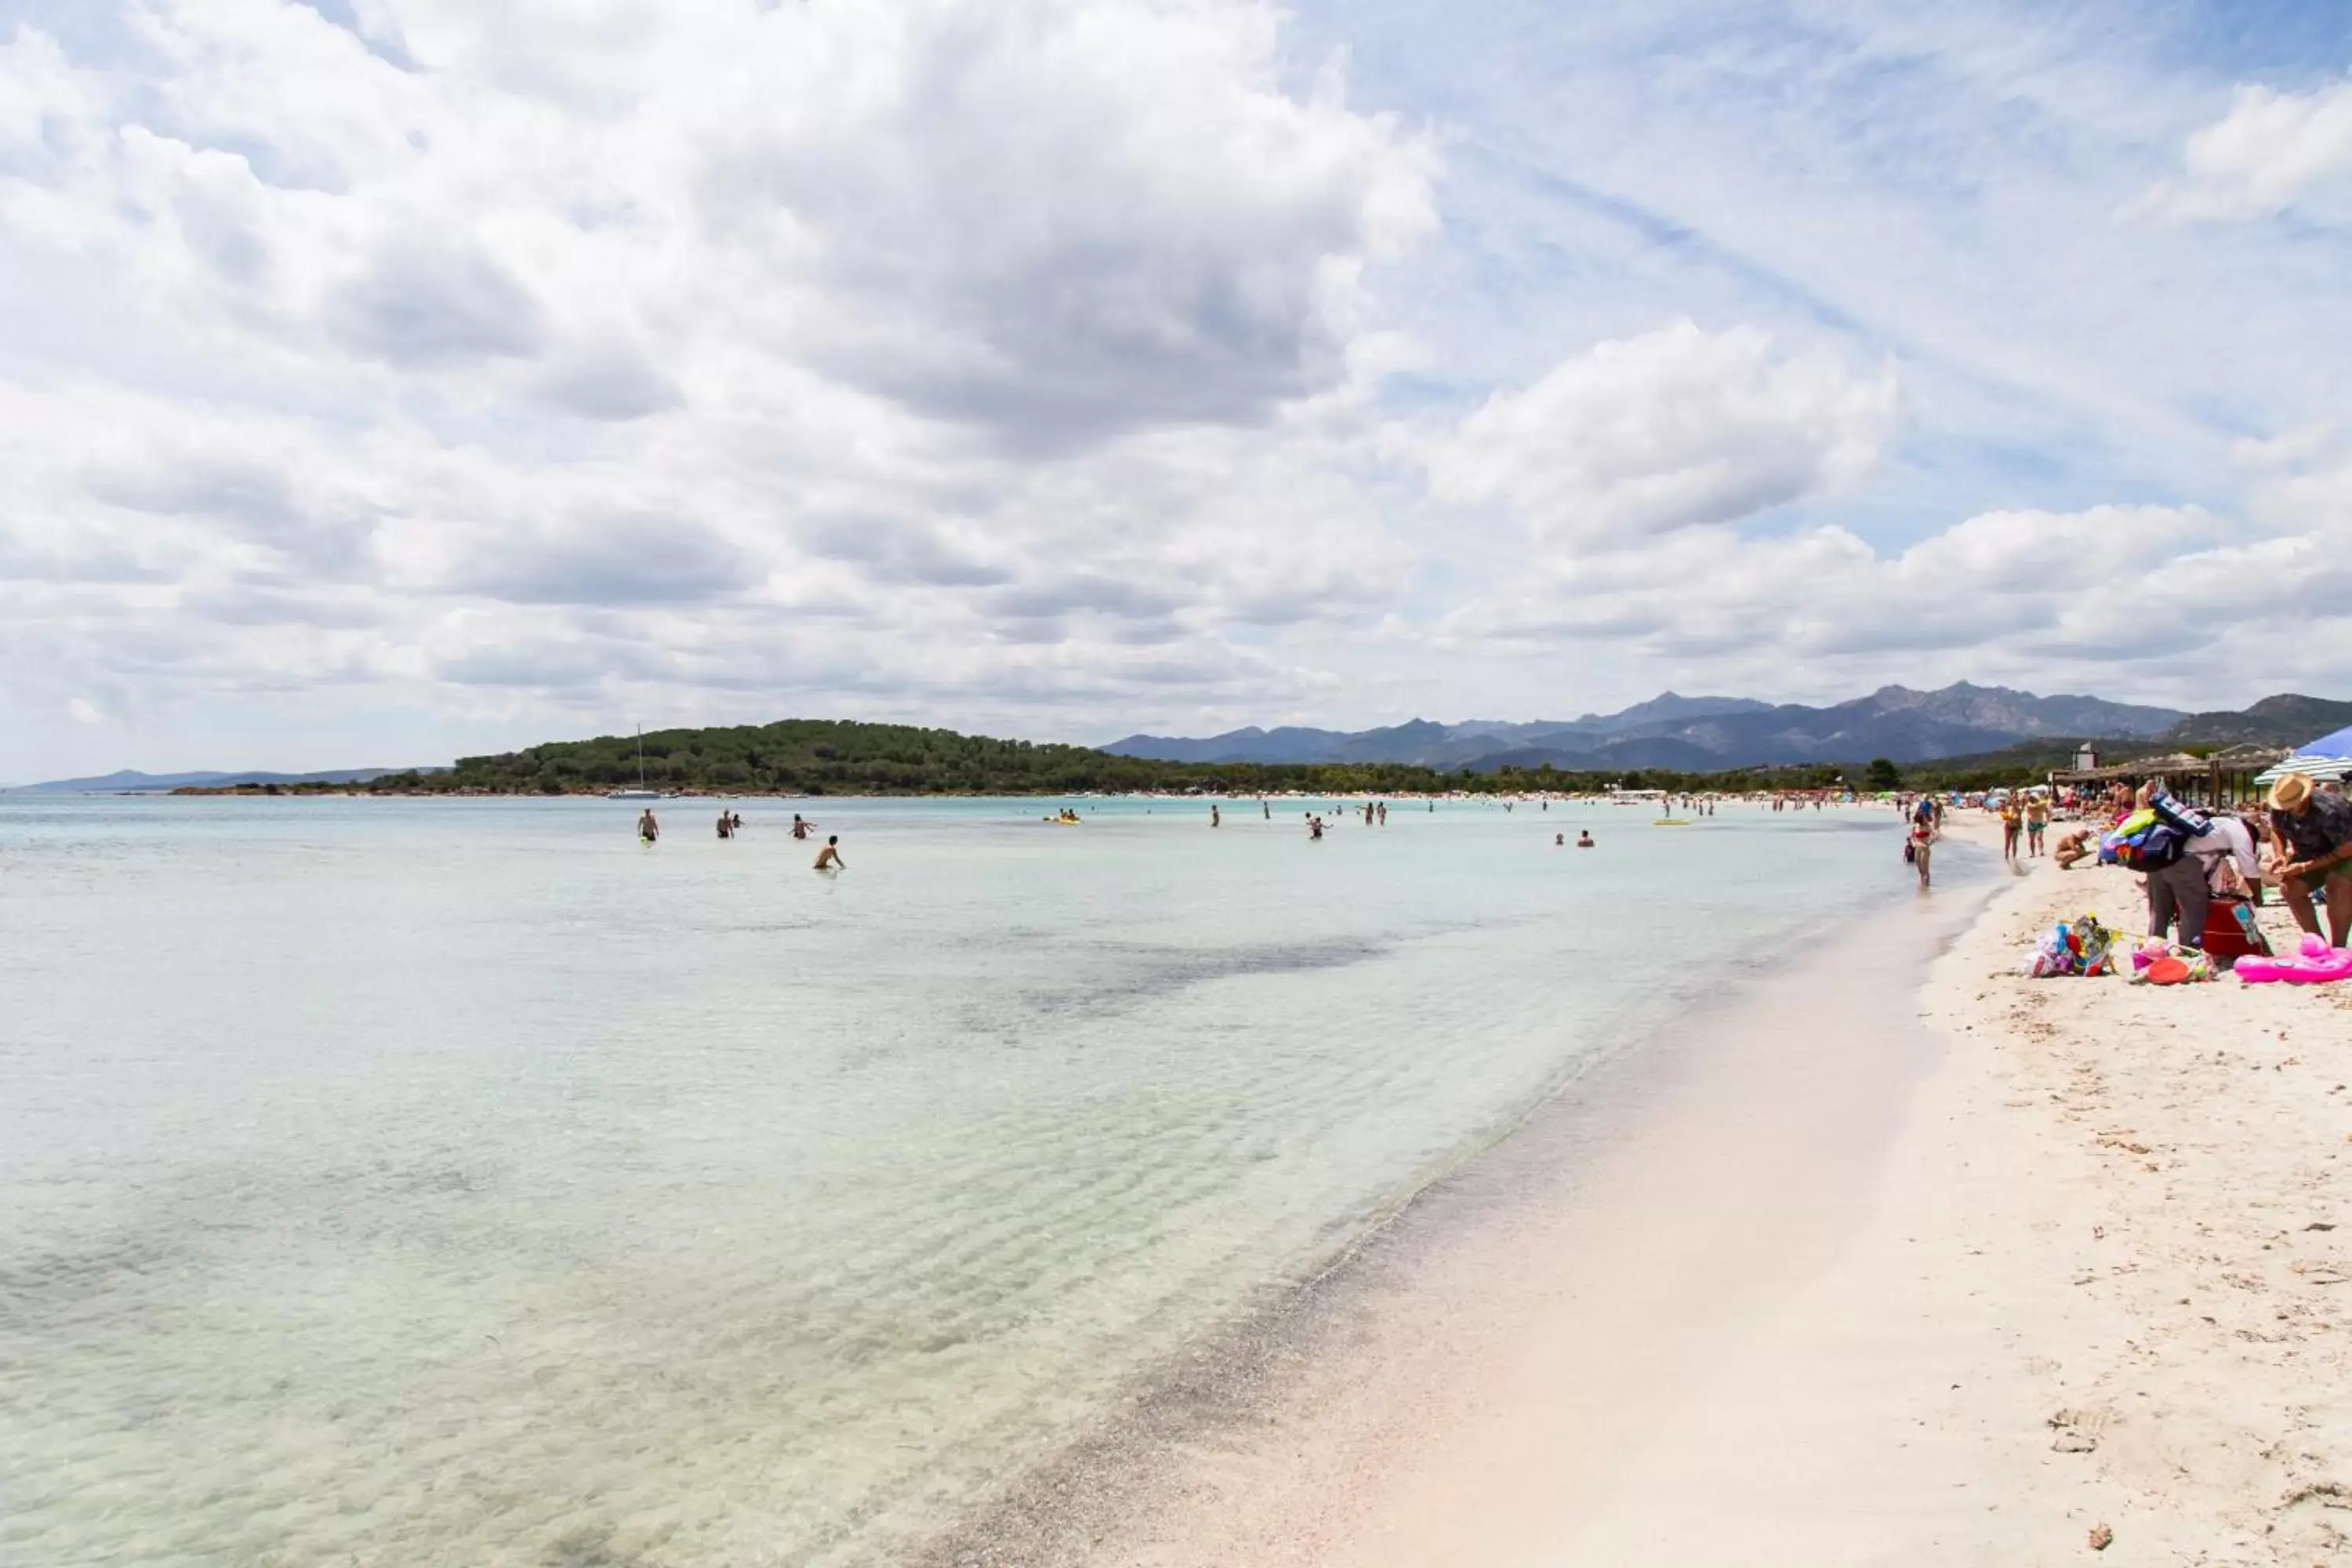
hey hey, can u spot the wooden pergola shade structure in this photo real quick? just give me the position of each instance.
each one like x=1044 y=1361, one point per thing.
x=2225 y=778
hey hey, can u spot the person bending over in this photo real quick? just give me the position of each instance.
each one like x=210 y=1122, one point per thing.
x=829 y=857
x=2176 y=887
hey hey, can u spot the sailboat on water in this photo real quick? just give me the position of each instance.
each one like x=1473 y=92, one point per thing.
x=641 y=791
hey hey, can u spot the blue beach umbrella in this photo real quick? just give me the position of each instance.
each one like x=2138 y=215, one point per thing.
x=2328 y=757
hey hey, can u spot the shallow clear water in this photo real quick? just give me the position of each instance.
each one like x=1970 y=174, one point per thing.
x=435 y=1181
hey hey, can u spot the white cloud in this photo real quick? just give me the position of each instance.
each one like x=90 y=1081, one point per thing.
x=81 y=712
x=2043 y=599
x=2261 y=157
x=827 y=355
x=1678 y=428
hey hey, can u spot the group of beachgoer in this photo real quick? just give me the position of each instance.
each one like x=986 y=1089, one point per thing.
x=2296 y=841
x=2024 y=819
x=2299 y=843
x=828 y=859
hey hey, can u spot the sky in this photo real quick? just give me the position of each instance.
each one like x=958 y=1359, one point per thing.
x=383 y=381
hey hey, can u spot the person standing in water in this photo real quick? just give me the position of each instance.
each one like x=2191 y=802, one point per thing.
x=1212 y=814
x=726 y=827
x=1263 y=806
x=1584 y=838
x=829 y=857
x=648 y=830
x=801 y=827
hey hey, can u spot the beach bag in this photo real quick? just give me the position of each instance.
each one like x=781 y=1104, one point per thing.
x=2226 y=880
x=2141 y=842
x=1910 y=852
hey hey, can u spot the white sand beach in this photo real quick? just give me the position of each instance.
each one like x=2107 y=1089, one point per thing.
x=2102 y=1296
x=1996 y=1270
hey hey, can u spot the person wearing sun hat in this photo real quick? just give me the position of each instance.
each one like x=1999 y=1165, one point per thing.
x=2314 y=833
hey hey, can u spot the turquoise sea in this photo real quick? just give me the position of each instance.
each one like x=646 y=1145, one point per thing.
x=459 y=1182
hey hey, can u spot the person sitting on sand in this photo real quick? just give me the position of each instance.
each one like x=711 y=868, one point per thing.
x=829 y=857
x=2313 y=829
x=1584 y=838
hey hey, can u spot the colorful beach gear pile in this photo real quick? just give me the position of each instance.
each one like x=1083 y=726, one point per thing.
x=2079 y=946
x=2157 y=962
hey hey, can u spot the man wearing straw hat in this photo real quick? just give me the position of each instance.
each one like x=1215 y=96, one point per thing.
x=2314 y=854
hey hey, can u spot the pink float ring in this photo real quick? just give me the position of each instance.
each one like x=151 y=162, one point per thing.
x=2318 y=964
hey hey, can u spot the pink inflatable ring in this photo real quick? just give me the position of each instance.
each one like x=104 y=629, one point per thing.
x=2318 y=964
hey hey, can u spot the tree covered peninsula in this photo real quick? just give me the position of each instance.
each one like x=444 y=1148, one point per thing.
x=818 y=756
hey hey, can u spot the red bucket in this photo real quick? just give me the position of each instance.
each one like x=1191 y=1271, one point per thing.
x=2224 y=936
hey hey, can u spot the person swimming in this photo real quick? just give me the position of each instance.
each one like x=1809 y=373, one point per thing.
x=1584 y=838
x=829 y=857
x=1558 y=840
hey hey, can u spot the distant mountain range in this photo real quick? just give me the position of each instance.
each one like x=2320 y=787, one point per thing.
x=126 y=781
x=1699 y=734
